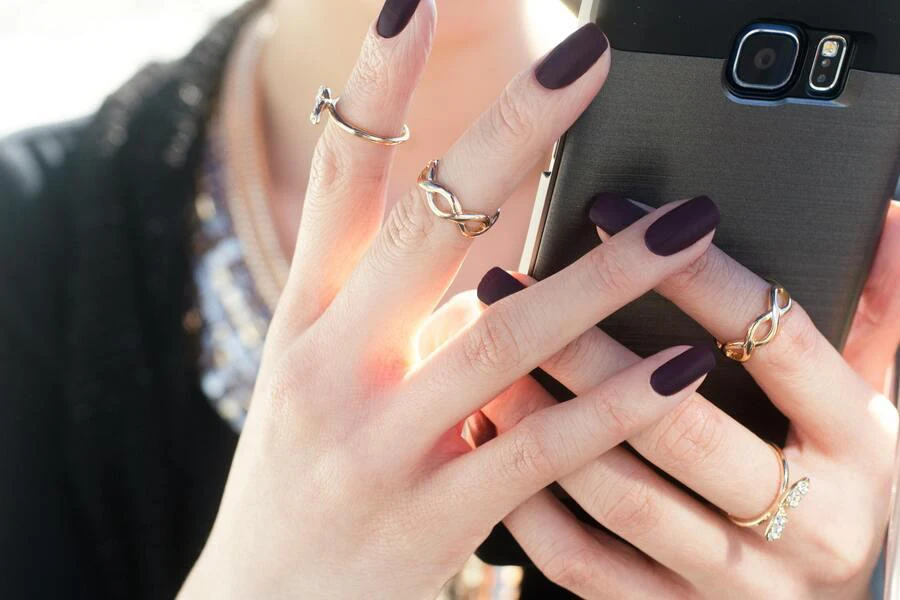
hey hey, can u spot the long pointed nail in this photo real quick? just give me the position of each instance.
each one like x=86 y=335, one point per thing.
x=682 y=371
x=613 y=212
x=682 y=227
x=496 y=285
x=572 y=57
x=395 y=16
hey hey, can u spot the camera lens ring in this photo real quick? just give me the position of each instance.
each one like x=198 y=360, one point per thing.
x=762 y=54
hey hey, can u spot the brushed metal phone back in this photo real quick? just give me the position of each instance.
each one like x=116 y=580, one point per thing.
x=802 y=188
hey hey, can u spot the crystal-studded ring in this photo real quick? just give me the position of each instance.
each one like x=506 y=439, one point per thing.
x=324 y=102
x=787 y=497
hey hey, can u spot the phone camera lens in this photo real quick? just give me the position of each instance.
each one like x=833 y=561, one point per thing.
x=766 y=58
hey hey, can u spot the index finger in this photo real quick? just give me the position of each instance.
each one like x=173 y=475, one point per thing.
x=417 y=255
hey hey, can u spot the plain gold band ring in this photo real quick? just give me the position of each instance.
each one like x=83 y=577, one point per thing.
x=324 y=102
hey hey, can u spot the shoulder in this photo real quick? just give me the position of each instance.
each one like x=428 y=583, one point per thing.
x=33 y=232
x=31 y=164
x=28 y=159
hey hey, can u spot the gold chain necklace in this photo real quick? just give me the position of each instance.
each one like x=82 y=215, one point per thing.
x=246 y=177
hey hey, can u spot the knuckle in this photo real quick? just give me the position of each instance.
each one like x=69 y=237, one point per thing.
x=848 y=564
x=693 y=434
x=493 y=346
x=709 y=267
x=510 y=119
x=571 y=359
x=407 y=226
x=572 y=568
x=632 y=508
x=329 y=172
x=845 y=558
x=611 y=414
x=607 y=273
x=527 y=454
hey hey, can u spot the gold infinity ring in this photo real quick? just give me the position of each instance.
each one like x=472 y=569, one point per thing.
x=471 y=225
x=780 y=304
x=324 y=102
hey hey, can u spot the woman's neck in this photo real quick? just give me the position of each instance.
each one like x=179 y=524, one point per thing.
x=317 y=42
x=478 y=48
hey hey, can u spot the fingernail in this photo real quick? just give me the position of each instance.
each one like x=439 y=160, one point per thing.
x=395 y=16
x=682 y=371
x=496 y=285
x=683 y=227
x=572 y=57
x=613 y=212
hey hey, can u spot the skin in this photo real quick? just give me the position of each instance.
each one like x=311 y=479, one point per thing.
x=351 y=453
x=469 y=55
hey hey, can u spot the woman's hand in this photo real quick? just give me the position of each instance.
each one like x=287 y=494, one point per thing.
x=843 y=435
x=350 y=479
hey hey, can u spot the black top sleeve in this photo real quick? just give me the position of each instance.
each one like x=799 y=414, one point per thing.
x=39 y=556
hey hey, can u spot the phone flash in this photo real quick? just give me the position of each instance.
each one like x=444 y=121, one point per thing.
x=830 y=49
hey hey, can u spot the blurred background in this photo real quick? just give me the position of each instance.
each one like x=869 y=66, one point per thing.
x=72 y=40
x=85 y=49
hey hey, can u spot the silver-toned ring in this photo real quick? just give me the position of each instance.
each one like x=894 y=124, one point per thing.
x=324 y=102
x=780 y=304
x=471 y=225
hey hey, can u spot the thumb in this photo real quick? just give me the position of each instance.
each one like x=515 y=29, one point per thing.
x=872 y=344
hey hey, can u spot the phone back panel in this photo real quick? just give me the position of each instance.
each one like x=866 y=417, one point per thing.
x=802 y=189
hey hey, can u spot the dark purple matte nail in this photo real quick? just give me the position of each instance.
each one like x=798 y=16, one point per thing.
x=395 y=16
x=683 y=370
x=683 y=227
x=613 y=212
x=496 y=285
x=572 y=57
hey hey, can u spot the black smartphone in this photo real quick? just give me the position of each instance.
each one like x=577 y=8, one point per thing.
x=787 y=114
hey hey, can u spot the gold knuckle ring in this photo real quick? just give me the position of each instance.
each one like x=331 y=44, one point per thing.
x=780 y=304
x=325 y=102
x=471 y=225
x=787 y=497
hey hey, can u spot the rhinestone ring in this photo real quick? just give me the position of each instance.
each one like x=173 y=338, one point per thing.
x=324 y=102
x=776 y=512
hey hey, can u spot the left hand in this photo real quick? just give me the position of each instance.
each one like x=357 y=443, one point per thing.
x=843 y=434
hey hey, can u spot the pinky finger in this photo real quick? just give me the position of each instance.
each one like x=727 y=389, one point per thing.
x=588 y=563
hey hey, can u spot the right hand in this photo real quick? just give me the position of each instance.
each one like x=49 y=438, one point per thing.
x=350 y=479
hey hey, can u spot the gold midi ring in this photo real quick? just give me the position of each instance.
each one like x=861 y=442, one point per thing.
x=782 y=487
x=324 y=102
x=470 y=225
x=780 y=304
x=776 y=513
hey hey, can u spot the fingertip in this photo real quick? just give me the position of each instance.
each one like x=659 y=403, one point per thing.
x=686 y=370
x=496 y=285
x=684 y=226
x=612 y=213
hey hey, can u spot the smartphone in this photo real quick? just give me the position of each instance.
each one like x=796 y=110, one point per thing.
x=787 y=114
